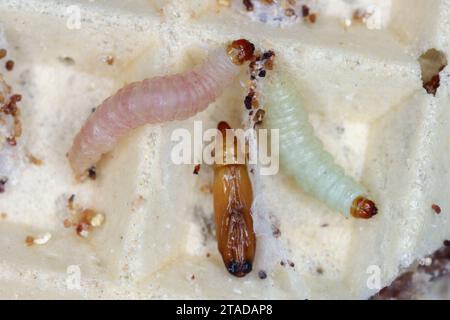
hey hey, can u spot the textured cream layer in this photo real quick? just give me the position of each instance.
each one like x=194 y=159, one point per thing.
x=363 y=91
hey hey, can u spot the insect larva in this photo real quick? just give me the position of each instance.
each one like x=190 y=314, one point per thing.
x=156 y=100
x=233 y=197
x=303 y=156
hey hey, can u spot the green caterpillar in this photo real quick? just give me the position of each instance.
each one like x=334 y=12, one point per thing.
x=302 y=154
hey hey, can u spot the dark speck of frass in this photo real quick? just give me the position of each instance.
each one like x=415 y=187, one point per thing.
x=262 y=274
x=248 y=102
x=437 y=209
x=92 y=173
x=3 y=182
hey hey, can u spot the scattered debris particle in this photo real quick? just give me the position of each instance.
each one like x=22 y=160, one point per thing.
x=319 y=270
x=248 y=5
x=197 y=169
x=3 y=53
x=208 y=255
x=248 y=101
x=97 y=220
x=305 y=11
x=67 y=223
x=193 y=277
x=34 y=160
x=206 y=188
x=291 y=264
x=324 y=225
x=68 y=61
x=432 y=62
x=224 y=3
x=108 y=59
x=42 y=239
x=276 y=232
x=82 y=219
x=428 y=261
x=241 y=51
x=437 y=209
x=282 y=263
x=289 y=12
x=9 y=65
x=92 y=173
x=3 y=181
x=29 y=241
x=3 y=215
x=259 y=116
x=430 y=269
x=312 y=18
x=71 y=202
x=137 y=203
x=432 y=85
x=262 y=274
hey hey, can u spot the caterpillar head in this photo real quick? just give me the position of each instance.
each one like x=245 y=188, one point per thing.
x=241 y=51
x=363 y=208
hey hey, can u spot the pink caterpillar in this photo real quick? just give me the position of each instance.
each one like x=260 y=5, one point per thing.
x=156 y=100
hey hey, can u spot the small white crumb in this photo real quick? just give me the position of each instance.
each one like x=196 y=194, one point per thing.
x=97 y=220
x=84 y=233
x=347 y=23
x=427 y=262
x=43 y=238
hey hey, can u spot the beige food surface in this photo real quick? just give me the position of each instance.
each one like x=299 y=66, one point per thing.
x=362 y=86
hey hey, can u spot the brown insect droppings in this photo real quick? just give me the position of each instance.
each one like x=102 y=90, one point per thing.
x=92 y=173
x=70 y=202
x=33 y=160
x=248 y=5
x=289 y=12
x=29 y=241
x=432 y=85
x=3 y=53
x=305 y=11
x=9 y=65
x=67 y=223
x=259 y=116
x=437 y=209
x=197 y=169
